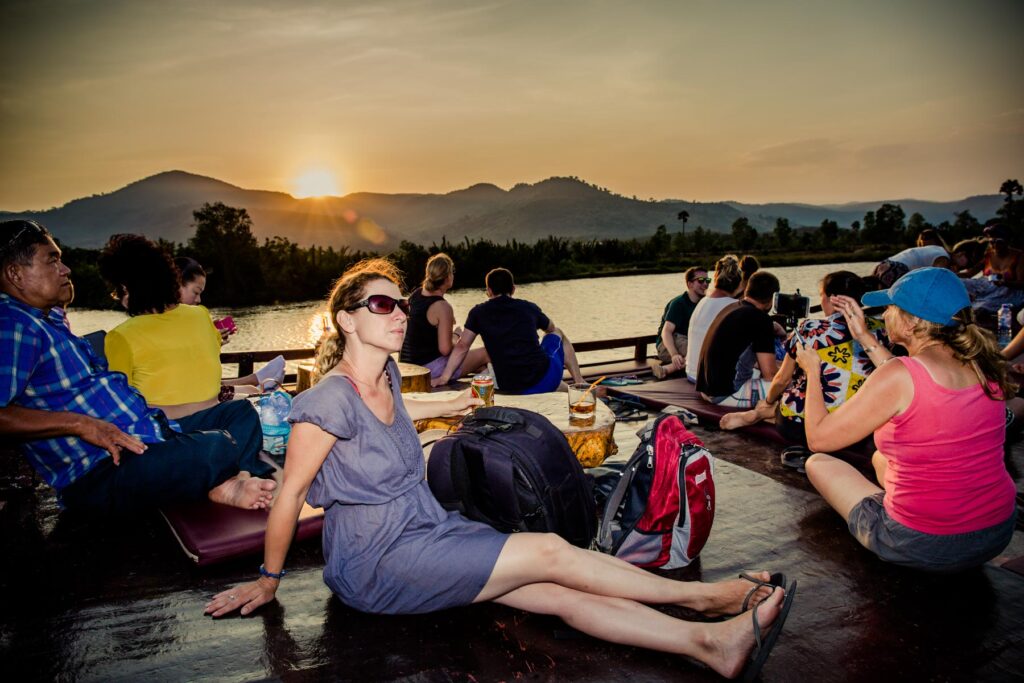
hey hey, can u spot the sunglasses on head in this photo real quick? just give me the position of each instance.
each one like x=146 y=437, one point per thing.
x=381 y=304
x=28 y=226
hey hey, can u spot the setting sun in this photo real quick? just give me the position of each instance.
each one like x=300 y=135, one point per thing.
x=315 y=183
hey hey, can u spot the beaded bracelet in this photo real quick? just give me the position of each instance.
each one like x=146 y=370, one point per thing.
x=272 y=575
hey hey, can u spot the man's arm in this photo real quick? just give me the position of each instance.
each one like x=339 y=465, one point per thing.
x=668 y=340
x=768 y=365
x=28 y=423
x=456 y=357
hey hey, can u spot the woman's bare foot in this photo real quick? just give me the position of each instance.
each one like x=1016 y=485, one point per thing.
x=737 y=420
x=727 y=645
x=244 y=491
x=726 y=597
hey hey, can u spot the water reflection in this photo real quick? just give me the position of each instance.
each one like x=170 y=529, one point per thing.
x=586 y=309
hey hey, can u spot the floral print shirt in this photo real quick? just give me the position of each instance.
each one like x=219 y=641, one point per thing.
x=844 y=363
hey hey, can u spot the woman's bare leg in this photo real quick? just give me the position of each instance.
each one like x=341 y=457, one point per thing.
x=839 y=483
x=722 y=646
x=547 y=558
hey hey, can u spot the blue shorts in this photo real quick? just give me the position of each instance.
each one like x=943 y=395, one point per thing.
x=551 y=345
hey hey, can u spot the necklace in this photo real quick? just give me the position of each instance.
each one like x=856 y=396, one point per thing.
x=355 y=377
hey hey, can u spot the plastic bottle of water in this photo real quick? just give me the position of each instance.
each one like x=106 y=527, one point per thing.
x=1004 y=330
x=274 y=409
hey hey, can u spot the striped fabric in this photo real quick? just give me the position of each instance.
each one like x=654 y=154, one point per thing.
x=49 y=368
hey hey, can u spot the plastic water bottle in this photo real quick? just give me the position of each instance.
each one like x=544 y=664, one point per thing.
x=274 y=408
x=1004 y=330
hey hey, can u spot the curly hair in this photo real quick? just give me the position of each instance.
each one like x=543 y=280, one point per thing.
x=136 y=266
x=347 y=291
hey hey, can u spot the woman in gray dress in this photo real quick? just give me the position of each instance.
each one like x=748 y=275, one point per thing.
x=390 y=547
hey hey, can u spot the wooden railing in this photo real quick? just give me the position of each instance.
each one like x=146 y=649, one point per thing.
x=247 y=359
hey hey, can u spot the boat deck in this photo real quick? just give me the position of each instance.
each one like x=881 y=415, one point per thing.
x=119 y=601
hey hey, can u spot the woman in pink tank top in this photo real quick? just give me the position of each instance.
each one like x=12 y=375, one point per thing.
x=938 y=416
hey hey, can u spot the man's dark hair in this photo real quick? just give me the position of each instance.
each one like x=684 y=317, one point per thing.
x=762 y=286
x=18 y=240
x=691 y=272
x=189 y=269
x=843 y=283
x=500 y=281
x=134 y=264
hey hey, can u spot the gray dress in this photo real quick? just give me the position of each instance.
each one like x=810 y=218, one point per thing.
x=389 y=547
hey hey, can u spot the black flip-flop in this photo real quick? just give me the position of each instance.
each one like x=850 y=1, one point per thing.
x=764 y=648
x=795 y=457
x=776 y=580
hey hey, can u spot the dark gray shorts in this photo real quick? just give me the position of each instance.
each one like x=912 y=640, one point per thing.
x=893 y=542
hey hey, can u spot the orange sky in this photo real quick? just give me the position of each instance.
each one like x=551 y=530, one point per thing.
x=707 y=100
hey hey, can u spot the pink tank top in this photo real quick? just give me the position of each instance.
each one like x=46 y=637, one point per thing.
x=946 y=473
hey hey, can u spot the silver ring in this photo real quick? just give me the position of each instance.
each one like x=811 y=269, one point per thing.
x=231 y=597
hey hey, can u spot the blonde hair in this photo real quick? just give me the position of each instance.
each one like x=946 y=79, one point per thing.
x=972 y=346
x=439 y=267
x=347 y=292
x=728 y=275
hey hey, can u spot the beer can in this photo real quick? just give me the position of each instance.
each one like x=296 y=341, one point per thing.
x=483 y=388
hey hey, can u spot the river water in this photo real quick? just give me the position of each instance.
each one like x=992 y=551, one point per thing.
x=586 y=309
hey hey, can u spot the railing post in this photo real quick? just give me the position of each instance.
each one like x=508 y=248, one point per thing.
x=245 y=365
x=640 y=351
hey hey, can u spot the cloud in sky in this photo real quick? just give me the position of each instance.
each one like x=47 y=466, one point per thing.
x=774 y=100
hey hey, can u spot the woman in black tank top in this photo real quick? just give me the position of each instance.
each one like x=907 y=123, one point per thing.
x=431 y=331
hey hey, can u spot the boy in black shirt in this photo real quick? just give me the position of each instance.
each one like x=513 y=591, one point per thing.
x=741 y=338
x=522 y=365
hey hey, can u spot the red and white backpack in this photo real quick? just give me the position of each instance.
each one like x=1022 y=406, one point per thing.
x=661 y=511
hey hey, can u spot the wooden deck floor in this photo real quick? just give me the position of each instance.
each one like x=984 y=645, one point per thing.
x=119 y=601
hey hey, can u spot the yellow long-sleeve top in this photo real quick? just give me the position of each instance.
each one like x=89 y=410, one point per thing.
x=171 y=357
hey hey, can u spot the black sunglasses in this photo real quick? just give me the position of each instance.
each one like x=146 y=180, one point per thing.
x=703 y=280
x=381 y=304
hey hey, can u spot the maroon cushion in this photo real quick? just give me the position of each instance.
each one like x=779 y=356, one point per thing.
x=209 y=532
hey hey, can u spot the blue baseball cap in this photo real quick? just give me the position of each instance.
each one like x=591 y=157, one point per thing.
x=932 y=294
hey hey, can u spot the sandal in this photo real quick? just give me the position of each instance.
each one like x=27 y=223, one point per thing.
x=764 y=648
x=795 y=457
x=776 y=580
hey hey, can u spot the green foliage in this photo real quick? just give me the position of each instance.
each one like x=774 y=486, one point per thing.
x=783 y=232
x=829 y=231
x=744 y=235
x=1011 y=213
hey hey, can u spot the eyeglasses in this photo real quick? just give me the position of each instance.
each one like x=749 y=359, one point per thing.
x=702 y=280
x=28 y=225
x=381 y=304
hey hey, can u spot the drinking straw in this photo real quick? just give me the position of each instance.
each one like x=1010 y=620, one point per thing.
x=591 y=387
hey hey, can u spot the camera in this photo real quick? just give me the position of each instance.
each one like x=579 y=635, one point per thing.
x=791 y=308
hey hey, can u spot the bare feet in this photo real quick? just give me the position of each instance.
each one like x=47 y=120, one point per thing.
x=657 y=369
x=244 y=491
x=726 y=597
x=737 y=420
x=727 y=646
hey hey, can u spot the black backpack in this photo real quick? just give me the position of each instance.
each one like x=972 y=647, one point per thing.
x=512 y=469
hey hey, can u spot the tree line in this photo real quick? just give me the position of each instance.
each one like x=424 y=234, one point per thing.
x=243 y=272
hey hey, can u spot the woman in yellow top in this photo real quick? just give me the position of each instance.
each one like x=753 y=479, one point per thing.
x=169 y=351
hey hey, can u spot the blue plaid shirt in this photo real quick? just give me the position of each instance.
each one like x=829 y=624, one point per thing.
x=49 y=368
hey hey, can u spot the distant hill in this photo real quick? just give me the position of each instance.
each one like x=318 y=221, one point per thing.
x=162 y=205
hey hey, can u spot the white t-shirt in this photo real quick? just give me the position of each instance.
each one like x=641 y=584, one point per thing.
x=920 y=257
x=700 y=322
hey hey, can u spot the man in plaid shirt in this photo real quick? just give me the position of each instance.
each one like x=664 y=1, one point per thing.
x=83 y=428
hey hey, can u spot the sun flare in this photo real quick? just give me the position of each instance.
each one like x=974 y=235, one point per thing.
x=315 y=183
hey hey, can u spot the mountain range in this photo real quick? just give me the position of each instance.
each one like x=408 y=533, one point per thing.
x=161 y=206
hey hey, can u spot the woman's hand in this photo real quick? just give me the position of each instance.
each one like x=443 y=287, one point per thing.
x=852 y=313
x=808 y=360
x=463 y=402
x=247 y=596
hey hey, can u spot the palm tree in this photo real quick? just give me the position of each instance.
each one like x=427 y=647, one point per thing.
x=684 y=216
